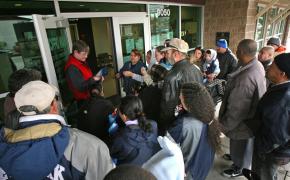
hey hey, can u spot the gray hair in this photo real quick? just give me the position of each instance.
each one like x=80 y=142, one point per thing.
x=248 y=47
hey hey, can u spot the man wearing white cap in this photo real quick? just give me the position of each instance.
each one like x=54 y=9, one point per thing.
x=44 y=146
x=181 y=72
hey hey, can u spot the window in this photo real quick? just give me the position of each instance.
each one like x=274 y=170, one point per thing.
x=18 y=49
x=164 y=22
x=191 y=25
x=275 y=29
x=260 y=29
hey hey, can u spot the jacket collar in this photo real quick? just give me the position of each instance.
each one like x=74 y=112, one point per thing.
x=242 y=68
x=279 y=86
x=179 y=63
x=42 y=117
x=31 y=133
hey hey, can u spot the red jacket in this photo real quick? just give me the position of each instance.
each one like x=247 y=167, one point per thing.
x=86 y=75
x=281 y=49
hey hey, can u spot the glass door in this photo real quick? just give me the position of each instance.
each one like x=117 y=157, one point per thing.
x=130 y=33
x=54 y=41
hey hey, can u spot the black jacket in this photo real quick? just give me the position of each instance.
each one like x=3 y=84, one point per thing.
x=93 y=117
x=151 y=97
x=181 y=72
x=273 y=127
x=227 y=62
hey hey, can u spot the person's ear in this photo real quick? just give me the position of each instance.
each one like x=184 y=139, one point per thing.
x=283 y=74
x=123 y=117
x=75 y=52
x=54 y=107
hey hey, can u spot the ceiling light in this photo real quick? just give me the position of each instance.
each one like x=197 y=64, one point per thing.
x=82 y=5
x=18 y=5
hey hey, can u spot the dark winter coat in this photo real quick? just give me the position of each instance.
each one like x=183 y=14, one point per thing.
x=132 y=145
x=181 y=72
x=93 y=117
x=273 y=126
x=228 y=63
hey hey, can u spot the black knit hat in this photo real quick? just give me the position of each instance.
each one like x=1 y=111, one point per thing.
x=283 y=63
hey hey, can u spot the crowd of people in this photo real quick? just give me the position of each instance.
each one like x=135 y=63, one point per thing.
x=165 y=125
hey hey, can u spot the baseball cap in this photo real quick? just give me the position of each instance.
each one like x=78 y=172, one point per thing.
x=34 y=97
x=177 y=44
x=274 y=40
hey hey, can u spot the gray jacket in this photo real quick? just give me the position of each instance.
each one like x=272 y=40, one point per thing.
x=245 y=87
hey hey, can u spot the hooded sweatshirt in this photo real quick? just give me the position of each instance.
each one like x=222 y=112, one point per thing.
x=211 y=66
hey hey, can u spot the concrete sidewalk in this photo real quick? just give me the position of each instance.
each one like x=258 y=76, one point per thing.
x=220 y=164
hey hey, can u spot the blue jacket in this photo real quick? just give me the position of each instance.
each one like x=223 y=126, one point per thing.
x=132 y=145
x=192 y=136
x=128 y=81
x=272 y=121
x=46 y=149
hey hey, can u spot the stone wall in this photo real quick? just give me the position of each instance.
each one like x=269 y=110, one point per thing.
x=234 y=16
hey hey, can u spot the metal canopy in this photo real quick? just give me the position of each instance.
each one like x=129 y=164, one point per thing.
x=277 y=3
x=282 y=14
x=266 y=8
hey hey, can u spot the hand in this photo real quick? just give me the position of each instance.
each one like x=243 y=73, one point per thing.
x=210 y=77
x=97 y=78
x=128 y=73
x=117 y=75
x=143 y=71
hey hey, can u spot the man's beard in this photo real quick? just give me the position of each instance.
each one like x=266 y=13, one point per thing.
x=171 y=61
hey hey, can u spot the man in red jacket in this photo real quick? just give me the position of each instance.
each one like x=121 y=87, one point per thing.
x=78 y=74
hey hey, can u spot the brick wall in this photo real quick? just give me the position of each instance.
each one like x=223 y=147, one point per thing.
x=234 y=16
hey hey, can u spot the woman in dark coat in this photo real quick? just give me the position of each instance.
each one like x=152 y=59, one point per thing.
x=136 y=142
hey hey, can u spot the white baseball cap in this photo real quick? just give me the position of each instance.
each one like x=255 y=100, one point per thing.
x=37 y=94
x=177 y=44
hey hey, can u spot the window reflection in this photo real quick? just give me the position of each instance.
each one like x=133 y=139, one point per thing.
x=18 y=49
x=164 y=22
x=191 y=25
